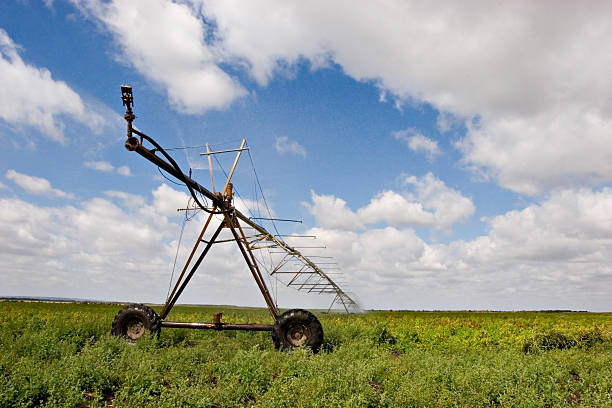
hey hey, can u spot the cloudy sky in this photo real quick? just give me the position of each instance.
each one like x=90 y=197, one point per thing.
x=447 y=155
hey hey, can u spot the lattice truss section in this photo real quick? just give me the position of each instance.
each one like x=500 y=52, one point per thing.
x=291 y=267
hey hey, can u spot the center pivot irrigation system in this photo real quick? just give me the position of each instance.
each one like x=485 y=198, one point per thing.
x=291 y=329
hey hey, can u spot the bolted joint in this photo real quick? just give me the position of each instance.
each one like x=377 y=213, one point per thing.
x=131 y=143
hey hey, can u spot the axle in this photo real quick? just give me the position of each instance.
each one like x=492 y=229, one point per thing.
x=219 y=326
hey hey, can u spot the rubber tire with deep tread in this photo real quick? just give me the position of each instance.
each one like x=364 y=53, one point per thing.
x=134 y=320
x=297 y=328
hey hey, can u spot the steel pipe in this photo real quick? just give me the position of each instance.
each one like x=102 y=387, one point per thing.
x=219 y=326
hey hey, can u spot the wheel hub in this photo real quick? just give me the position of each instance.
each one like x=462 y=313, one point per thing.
x=134 y=329
x=298 y=335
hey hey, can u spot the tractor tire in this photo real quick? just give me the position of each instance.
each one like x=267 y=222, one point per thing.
x=297 y=328
x=133 y=321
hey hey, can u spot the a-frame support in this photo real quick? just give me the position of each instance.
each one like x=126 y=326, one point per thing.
x=231 y=222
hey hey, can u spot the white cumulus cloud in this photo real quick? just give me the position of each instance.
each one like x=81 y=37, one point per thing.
x=428 y=203
x=529 y=78
x=550 y=255
x=448 y=205
x=396 y=209
x=332 y=212
x=524 y=120
x=36 y=185
x=107 y=167
x=103 y=166
x=124 y=171
x=165 y=42
x=284 y=145
x=30 y=96
x=555 y=254
x=417 y=142
x=119 y=246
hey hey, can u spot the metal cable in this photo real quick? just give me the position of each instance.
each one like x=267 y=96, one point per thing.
x=168 y=178
x=261 y=190
x=182 y=176
x=178 y=247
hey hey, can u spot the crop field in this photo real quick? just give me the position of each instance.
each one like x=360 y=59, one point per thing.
x=62 y=355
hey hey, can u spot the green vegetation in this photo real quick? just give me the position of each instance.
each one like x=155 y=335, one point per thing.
x=62 y=355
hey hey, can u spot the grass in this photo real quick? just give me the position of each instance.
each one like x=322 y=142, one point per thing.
x=62 y=355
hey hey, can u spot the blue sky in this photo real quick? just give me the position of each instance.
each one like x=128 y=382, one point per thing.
x=448 y=156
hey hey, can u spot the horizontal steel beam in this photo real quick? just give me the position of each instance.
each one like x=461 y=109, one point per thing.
x=218 y=326
x=224 y=151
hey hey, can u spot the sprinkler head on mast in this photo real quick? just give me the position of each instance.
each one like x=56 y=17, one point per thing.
x=127 y=97
x=128 y=100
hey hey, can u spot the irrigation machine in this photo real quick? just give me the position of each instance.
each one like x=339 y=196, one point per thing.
x=292 y=329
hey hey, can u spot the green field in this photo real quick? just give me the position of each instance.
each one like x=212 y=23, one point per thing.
x=62 y=355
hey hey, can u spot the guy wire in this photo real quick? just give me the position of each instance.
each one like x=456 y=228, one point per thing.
x=178 y=247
